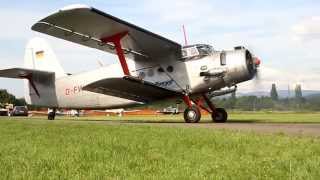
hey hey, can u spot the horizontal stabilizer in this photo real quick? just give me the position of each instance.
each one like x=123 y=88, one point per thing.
x=42 y=77
x=22 y=73
x=131 y=88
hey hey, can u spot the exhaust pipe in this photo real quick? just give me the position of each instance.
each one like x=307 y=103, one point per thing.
x=222 y=92
x=216 y=73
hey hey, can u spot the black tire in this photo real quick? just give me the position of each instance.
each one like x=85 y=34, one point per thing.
x=192 y=115
x=51 y=116
x=220 y=116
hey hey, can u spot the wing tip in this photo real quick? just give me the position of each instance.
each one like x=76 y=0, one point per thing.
x=75 y=6
x=66 y=8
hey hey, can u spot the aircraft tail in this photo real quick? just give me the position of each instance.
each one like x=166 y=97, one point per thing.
x=40 y=56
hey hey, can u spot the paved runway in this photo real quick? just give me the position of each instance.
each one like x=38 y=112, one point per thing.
x=285 y=128
x=309 y=129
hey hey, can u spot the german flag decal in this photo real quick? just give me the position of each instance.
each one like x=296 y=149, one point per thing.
x=40 y=54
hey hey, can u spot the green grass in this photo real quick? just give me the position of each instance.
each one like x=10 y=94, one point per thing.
x=64 y=149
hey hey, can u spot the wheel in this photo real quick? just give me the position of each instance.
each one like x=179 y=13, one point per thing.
x=51 y=116
x=192 y=115
x=220 y=115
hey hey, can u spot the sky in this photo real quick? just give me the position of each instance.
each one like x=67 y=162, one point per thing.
x=285 y=34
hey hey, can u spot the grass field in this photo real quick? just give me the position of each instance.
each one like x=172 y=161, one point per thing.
x=39 y=149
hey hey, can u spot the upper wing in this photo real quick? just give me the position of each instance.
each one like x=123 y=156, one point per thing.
x=87 y=26
x=131 y=88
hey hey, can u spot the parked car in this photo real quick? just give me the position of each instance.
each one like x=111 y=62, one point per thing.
x=19 y=111
x=5 y=109
x=170 y=110
x=3 y=112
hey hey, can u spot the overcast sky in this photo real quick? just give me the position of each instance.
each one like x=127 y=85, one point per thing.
x=284 y=34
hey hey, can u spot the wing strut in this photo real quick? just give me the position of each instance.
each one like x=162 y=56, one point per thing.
x=116 y=40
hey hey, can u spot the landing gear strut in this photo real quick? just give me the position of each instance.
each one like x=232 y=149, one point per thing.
x=51 y=114
x=192 y=114
x=218 y=115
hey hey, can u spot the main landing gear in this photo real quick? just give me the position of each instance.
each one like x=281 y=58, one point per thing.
x=192 y=114
x=220 y=115
x=51 y=114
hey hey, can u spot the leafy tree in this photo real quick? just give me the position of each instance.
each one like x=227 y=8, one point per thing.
x=230 y=102
x=233 y=99
x=247 y=103
x=298 y=92
x=20 y=102
x=298 y=96
x=6 y=97
x=274 y=93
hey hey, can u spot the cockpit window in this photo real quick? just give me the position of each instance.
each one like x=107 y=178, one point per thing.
x=196 y=51
x=204 y=50
x=190 y=52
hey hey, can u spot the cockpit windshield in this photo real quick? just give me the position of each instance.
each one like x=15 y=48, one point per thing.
x=196 y=51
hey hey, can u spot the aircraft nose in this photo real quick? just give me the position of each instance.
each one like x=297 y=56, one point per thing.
x=257 y=61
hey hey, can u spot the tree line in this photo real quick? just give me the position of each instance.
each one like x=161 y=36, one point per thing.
x=272 y=102
x=7 y=98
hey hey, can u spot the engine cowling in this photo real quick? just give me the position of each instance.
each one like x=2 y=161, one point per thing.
x=241 y=66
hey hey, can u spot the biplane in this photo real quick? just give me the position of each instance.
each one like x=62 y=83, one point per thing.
x=151 y=67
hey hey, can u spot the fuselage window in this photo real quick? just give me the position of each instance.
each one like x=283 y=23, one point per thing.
x=223 y=60
x=170 y=69
x=160 y=70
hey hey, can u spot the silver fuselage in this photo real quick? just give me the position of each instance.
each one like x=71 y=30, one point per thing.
x=180 y=75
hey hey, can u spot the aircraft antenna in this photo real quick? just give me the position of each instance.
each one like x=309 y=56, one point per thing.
x=185 y=35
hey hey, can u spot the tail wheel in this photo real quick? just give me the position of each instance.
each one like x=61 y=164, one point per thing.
x=51 y=116
x=220 y=115
x=192 y=115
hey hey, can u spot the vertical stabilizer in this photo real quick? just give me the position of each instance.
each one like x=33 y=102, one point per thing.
x=40 y=56
x=41 y=90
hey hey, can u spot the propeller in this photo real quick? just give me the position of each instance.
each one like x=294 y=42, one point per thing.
x=257 y=77
x=256 y=62
x=253 y=63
